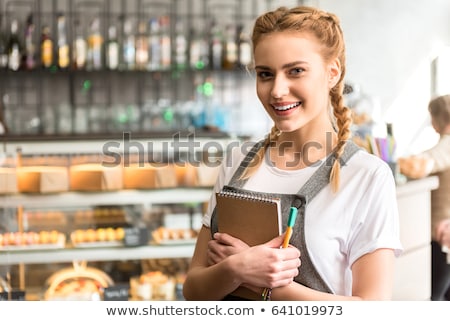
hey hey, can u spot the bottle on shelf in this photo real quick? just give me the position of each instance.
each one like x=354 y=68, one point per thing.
x=198 y=50
x=95 y=46
x=180 y=46
x=129 y=46
x=164 y=22
x=14 y=47
x=142 y=46
x=155 y=45
x=112 y=49
x=79 y=48
x=244 y=48
x=29 y=58
x=46 y=47
x=216 y=46
x=3 y=49
x=63 y=55
x=230 y=50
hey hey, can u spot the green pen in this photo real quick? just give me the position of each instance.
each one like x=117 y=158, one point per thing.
x=266 y=293
x=291 y=221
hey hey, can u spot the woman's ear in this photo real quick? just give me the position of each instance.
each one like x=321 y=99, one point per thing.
x=334 y=72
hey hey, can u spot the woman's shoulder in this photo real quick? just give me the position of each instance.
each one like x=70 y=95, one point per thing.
x=368 y=163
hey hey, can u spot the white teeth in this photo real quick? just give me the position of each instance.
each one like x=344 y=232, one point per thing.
x=286 y=107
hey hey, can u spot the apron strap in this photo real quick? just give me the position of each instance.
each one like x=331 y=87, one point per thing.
x=321 y=177
x=236 y=180
x=313 y=185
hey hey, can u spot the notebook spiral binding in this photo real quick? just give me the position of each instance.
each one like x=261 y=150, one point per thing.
x=250 y=196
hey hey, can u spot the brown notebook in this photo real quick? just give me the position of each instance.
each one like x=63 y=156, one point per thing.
x=252 y=219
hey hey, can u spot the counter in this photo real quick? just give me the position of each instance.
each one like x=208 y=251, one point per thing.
x=413 y=268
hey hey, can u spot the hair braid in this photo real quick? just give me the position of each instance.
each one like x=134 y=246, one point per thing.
x=343 y=121
x=259 y=156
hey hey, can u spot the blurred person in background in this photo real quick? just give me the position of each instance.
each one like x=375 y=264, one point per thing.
x=436 y=161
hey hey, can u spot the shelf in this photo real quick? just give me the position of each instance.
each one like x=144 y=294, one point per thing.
x=123 y=197
x=97 y=254
x=417 y=185
x=187 y=141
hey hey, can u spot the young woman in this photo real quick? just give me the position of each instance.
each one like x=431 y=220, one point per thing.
x=436 y=160
x=347 y=241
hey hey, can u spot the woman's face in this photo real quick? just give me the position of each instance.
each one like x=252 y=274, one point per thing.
x=293 y=81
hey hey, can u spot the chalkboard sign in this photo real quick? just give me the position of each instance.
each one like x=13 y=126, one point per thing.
x=118 y=292
x=135 y=236
x=14 y=295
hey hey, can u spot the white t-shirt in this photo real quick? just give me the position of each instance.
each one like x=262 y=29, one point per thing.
x=340 y=228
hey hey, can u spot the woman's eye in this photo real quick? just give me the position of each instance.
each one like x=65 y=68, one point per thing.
x=264 y=74
x=296 y=71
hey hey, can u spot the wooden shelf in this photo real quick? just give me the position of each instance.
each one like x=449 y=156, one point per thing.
x=122 y=197
x=96 y=254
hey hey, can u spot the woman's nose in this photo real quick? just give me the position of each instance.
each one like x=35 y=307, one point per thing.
x=280 y=87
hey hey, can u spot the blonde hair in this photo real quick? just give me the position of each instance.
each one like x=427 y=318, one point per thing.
x=325 y=27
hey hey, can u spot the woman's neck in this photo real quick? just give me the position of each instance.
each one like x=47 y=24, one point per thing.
x=295 y=151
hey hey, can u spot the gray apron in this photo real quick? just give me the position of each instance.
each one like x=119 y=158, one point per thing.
x=308 y=275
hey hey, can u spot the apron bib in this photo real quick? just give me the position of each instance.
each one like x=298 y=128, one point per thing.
x=308 y=275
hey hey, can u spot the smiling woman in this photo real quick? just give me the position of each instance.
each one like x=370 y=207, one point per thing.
x=344 y=248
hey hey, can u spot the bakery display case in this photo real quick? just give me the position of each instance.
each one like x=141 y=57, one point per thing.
x=139 y=228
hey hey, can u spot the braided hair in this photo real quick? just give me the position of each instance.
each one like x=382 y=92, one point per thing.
x=326 y=28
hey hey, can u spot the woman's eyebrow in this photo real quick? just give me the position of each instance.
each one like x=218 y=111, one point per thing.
x=285 y=66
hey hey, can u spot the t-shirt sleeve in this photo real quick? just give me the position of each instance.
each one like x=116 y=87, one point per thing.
x=377 y=223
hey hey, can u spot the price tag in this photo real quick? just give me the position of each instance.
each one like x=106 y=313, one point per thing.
x=14 y=295
x=135 y=236
x=3 y=296
x=118 y=292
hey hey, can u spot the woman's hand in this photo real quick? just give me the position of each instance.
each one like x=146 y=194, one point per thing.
x=222 y=246
x=443 y=233
x=415 y=167
x=265 y=265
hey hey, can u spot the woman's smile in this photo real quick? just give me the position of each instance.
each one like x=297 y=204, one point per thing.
x=285 y=109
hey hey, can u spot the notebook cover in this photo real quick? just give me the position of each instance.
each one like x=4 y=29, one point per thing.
x=253 y=221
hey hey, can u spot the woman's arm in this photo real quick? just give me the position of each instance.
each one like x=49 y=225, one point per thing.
x=212 y=275
x=208 y=283
x=443 y=232
x=372 y=280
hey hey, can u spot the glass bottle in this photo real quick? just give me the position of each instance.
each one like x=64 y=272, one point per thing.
x=198 y=49
x=95 y=45
x=129 y=49
x=180 y=46
x=3 y=50
x=63 y=56
x=30 y=49
x=164 y=22
x=230 y=53
x=216 y=46
x=244 y=48
x=14 y=47
x=142 y=47
x=79 y=48
x=155 y=45
x=112 y=49
x=46 y=47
